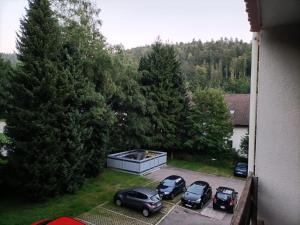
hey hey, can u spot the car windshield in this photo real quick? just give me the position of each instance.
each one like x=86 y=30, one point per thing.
x=168 y=183
x=195 y=189
x=155 y=198
x=223 y=196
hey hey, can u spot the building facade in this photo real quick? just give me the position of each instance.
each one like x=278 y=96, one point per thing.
x=238 y=105
x=274 y=133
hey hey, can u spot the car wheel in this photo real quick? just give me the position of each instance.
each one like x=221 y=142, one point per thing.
x=146 y=212
x=201 y=205
x=118 y=202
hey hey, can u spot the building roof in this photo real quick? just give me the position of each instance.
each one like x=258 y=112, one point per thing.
x=264 y=14
x=238 y=105
x=252 y=8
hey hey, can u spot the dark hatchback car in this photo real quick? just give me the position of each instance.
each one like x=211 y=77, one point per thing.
x=145 y=199
x=241 y=169
x=197 y=194
x=225 y=198
x=171 y=186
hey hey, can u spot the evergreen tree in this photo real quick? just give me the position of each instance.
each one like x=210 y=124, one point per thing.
x=52 y=110
x=5 y=75
x=32 y=123
x=132 y=127
x=162 y=85
x=208 y=125
x=80 y=23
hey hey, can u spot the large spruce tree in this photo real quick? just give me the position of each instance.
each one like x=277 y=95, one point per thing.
x=162 y=86
x=52 y=110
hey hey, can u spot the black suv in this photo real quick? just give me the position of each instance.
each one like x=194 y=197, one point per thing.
x=145 y=199
x=196 y=195
x=171 y=186
x=225 y=198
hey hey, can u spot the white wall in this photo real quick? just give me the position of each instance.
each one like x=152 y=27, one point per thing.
x=2 y=125
x=253 y=102
x=277 y=161
x=238 y=134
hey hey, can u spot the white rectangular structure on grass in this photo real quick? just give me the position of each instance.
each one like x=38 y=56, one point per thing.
x=137 y=161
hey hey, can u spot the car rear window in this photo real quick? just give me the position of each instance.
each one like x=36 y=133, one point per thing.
x=155 y=198
x=196 y=189
x=223 y=196
x=168 y=183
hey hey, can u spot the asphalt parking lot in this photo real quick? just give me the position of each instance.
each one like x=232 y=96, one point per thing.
x=206 y=216
x=173 y=213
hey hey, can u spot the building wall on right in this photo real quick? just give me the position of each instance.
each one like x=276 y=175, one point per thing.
x=277 y=145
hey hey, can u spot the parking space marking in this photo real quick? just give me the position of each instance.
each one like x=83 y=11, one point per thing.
x=173 y=207
x=125 y=215
x=194 y=211
x=86 y=222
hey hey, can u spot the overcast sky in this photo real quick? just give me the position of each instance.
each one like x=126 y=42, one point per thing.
x=139 y=22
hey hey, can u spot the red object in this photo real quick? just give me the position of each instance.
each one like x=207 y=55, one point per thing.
x=59 y=221
x=253 y=10
x=215 y=200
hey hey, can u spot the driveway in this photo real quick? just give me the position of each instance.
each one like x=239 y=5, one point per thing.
x=206 y=216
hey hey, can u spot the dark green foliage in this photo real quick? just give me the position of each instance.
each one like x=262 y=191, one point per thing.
x=162 y=85
x=237 y=85
x=132 y=127
x=245 y=145
x=35 y=154
x=4 y=140
x=56 y=120
x=5 y=75
x=215 y=64
x=208 y=125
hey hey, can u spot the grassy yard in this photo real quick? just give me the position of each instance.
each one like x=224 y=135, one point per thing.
x=206 y=165
x=14 y=211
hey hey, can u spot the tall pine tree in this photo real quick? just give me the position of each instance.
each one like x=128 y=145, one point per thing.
x=163 y=88
x=52 y=110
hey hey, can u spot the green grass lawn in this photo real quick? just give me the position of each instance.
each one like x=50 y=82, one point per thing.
x=206 y=165
x=14 y=211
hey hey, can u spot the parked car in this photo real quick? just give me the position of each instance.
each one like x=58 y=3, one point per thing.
x=171 y=186
x=196 y=195
x=225 y=198
x=59 y=221
x=241 y=169
x=145 y=199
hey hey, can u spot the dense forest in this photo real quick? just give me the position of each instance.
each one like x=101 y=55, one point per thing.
x=72 y=98
x=225 y=63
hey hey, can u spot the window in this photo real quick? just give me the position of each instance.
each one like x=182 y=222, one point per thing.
x=141 y=196
x=132 y=194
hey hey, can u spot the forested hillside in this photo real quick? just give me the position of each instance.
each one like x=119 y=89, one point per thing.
x=223 y=63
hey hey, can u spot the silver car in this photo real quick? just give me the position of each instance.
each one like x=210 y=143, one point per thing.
x=145 y=199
